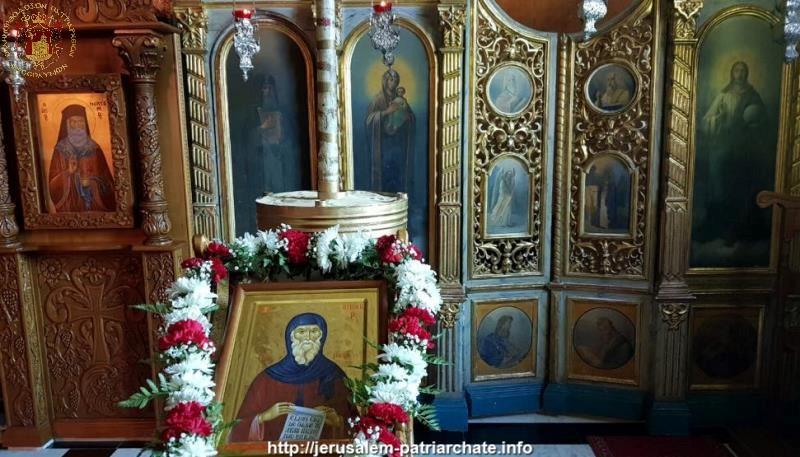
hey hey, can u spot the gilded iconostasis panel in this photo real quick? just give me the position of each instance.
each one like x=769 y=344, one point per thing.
x=610 y=151
x=507 y=148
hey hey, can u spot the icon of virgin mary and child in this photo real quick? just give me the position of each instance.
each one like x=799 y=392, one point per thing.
x=304 y=377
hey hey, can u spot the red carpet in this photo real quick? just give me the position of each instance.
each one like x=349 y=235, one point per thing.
x=656 y=446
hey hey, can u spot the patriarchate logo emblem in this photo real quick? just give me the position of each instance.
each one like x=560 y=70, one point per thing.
x=41 y=30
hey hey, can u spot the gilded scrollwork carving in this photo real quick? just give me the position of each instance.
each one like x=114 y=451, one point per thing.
x=448 y=315
x=94 y=339
x=143 y=54
x=451 y=20
x=674 y=314
x=193 y=22
x=626 y=134
x=494 y=135
x=685 y=17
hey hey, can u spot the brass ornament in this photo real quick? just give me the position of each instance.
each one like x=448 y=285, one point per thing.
x=626 y=133
x=521 y=136
x=685 y=18
x=674 y=314
x=448 y=314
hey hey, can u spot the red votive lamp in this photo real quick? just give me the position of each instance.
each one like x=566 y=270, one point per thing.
x=382 y=7
x=13 y=35
x=242 y=14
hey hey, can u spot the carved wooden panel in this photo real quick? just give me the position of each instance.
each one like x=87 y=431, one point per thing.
x=515 y=136
x=94 y=340
x=13 y=348
x=39 y=208
x=617 y=134
x=104 y=11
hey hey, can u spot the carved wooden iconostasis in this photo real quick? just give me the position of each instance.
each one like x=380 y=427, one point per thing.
x=74 y=262
x=580 y=198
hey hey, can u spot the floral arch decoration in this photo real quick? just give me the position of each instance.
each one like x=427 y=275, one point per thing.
x=387 y=399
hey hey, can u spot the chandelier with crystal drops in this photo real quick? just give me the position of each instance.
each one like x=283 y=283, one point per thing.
x=383 y=32
x=244 y=41
x=591 y=11
x=14 y=63
x=791 y=28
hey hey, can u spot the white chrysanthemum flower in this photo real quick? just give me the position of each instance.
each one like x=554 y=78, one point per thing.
x=247 y=243
x=271 y=241
x=323 y=248
x=184 y=285
x=196 y=361
x=192 y=446
x=416 y=284
x=191 y=313
x=407 y=357
x=391 y=371
x=398 y=393
x=187 y=394
x=355 y=243
x=190 y=386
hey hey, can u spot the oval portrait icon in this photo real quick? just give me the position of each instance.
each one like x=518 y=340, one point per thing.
x=504 y=337
x=726 y=346
x=604 y=338
x=510 y=90
x=611 y=88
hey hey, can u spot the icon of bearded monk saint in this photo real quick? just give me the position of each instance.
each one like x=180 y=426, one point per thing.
x=304 y=377
x=79 y=177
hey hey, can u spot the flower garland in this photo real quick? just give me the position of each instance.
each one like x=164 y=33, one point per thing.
x=387 y=398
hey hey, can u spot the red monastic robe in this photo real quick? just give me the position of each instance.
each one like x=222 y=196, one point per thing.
x=265 y=392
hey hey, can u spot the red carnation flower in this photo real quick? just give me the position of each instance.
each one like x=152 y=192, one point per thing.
x=388 y=412
x=409 y=327
x=414 y=252
x=387 y=437
x=424 y=315
x=218 y=270
x=384 y=242
x=366 y=422
x=192 y=262
x=391 y=255
x=297 y=246
x=216 y=249
x=169 y=433
x=183 y=332
x=188 y=418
